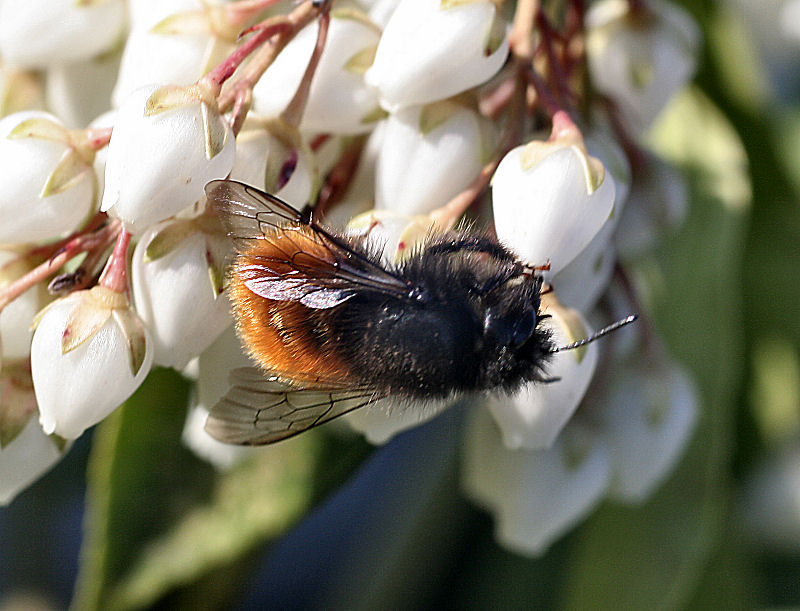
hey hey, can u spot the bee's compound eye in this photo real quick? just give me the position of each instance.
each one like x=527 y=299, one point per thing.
x=510 y=330
x=524 y=328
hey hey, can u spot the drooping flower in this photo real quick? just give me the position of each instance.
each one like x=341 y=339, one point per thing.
x=433 y=49
x=81 y=343
x=167 y=143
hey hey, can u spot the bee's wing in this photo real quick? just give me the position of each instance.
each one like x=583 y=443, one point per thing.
x=258 y=410
x=296 y=252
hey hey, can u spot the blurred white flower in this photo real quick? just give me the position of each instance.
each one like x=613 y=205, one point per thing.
x=46 y=33
x=769 y=508
x=177 y=276
x=80 y=91
x=339 y=100
x=214 y=366
x=166 y=145
x=641 y=57
x=19 y=90
x=550 y=199
x=534 y=417
x=16 y=317
x=648 y=418
x=428 y=155
x=47 y=185
x=26 y=458
x=89 y=353
x=433 y=49
x=658 y=203
x=535 y=496
x=172 y=42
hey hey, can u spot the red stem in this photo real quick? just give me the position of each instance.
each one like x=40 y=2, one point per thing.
x=115 y=273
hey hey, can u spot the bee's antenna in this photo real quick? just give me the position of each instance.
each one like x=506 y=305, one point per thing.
x=604 y=331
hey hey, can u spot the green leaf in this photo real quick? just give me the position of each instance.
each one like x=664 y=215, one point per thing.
x=654 y=554
x=162 y=525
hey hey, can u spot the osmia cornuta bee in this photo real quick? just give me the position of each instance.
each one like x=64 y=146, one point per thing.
x=335 y=329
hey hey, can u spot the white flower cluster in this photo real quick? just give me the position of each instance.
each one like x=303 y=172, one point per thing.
x=403 y=116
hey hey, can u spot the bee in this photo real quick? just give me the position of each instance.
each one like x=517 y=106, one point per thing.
x=334 y=329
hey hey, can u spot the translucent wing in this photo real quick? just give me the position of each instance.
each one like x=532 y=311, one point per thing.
x=258 y=410
x=290 y=257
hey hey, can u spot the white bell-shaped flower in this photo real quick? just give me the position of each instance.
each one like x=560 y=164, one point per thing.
x=551 y=198
x=167 y=143
x=585 y=279
x=429 y=154
x=213 y=368
x=172 y=42
x=648 y=418
x=26 y=458
x=534 y=416
x=392 y=234
x=17 y=316
x=535 y=495
x=339 y=100
x=45 y=33
x=433 y=49
x=269 y=156
x=177 y=268
x=47 y=183
x=640 y=57
x=90 y=351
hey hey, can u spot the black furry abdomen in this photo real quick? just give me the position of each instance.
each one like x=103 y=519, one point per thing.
x=416 y=350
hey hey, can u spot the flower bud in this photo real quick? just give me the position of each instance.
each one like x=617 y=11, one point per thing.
x=45 y=33
x=339 y=100
x=640 y=57
x=535 y=495
x=167 y=143
x=648 y=417
x=534 y=416
x=429 y=154
x=551 y=198
x=433 y=49
x=89 y=353
x=47 y=183
x=177 y=287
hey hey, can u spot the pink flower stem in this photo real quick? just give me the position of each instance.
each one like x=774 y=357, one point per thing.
x=87 y=241
x=115 y=273
x=228 y=66
x=289 y=25
x=294 y=110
